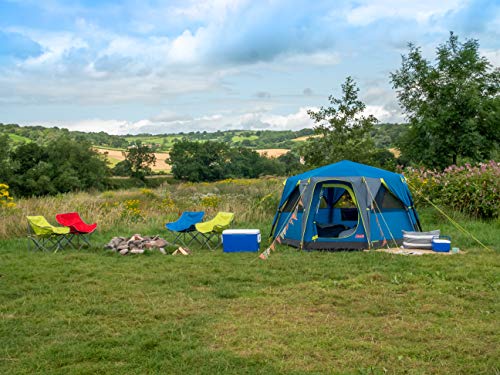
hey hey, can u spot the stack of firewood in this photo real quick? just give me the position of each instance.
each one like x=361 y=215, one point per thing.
x=137 y=244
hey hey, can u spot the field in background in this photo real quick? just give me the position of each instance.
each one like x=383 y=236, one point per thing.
x=116 y=156
x=273 y=152
x=93 y=311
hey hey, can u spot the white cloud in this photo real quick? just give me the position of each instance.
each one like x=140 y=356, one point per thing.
x=171 y=122
x=293 y=121
x=378 y=111
x=368 y=11
x=492 y=55
x=315 y=58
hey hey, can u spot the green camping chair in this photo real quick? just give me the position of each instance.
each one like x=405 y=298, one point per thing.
x=46 y=236
x=211 y=230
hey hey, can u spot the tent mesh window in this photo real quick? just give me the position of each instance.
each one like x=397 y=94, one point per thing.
x=385 y=200
x=292 y=202
x=348 y=209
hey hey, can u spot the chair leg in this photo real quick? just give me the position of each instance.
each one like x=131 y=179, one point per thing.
x=37 y=245
x=178 y=237
x=67 y=239
x=86 y=238
x=194 y=237
x=208 y=242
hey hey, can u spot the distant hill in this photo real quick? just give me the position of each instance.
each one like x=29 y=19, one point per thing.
x=384 y=136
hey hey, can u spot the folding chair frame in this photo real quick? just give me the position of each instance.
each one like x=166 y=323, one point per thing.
x=208 y=240
x=192 y=234
x=212 y=231
x=184 y=228
x=52 y=242
x=75 y=228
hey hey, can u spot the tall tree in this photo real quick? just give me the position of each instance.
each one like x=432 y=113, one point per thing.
x=140 y=157
x=343 y=130
x=452 y=104
x=199 y=161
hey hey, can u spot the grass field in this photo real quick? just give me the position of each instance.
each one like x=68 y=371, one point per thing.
x=18 y=138
x=92 y=311
x=115 y=156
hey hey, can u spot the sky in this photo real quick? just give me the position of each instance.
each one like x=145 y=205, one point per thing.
x=153 y=66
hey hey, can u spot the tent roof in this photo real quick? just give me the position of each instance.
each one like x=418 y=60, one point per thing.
x=346 y=168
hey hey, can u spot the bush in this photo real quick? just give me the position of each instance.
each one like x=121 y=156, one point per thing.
x=6 y=201
x=473 y=190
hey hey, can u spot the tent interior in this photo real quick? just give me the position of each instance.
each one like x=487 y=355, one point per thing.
x=336 y=214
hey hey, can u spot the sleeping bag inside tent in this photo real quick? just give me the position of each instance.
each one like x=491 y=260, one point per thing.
x=345 y=205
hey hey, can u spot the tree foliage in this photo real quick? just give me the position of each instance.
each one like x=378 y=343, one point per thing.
x=211 y=161
x=140 y=158
x=343 y=131
x=60 y=166
x=452 y=104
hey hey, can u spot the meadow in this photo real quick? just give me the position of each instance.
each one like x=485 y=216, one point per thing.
x=93 y=311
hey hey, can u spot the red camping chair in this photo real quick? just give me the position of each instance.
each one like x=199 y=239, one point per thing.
x=76 y=225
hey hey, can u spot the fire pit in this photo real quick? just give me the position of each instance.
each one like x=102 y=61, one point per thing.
x=137 y=244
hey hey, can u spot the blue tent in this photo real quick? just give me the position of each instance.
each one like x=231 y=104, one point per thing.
x=345 y=205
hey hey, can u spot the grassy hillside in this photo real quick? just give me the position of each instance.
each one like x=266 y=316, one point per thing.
x=384 y=136
x=19 y=138
x=92 y=311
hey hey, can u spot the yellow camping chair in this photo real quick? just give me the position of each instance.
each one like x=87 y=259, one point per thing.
x=46 y=236
x=212 y=229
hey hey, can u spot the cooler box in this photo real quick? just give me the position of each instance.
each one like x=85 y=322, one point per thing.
x=441 y=244
x=240 y=240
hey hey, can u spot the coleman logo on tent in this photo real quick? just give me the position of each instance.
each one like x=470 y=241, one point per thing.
x=360 y=236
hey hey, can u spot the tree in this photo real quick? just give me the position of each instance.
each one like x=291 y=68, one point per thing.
x=452 y=104
x=5 y=167
x=199 y=161
x=62 y=165
x=343 y=130
x=140 y=157
x=211 y=161
x=122 y=168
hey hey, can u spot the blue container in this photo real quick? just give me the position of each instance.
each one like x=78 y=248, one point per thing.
x=441 y=244
x=240 y=240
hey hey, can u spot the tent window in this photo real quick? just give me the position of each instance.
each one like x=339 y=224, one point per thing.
x=322 y=202
x=292 y=202
x=345 y=201
x=385 y=200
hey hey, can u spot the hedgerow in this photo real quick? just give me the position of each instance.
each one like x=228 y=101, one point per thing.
x=470 y=189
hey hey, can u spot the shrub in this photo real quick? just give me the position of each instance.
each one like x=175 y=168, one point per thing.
x=6 y=201
x=473 y=190
x=131 y=210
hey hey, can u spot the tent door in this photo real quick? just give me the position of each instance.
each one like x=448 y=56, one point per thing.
x=336 y=213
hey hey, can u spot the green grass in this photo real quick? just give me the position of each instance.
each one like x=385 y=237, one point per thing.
x=240 y=138
x=169 y=140
x=18 y=138
x=93 y=311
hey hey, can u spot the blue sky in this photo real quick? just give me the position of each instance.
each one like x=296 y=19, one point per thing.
x=170 y=66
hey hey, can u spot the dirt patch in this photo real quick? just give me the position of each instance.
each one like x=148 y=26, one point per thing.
x=160 y=158
x=273 y=152
x=306 y=137
x=395 y=152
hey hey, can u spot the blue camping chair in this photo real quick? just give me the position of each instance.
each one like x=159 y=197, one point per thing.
x=185 y=226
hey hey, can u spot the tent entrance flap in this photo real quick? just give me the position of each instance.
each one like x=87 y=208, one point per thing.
x=335 y=211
